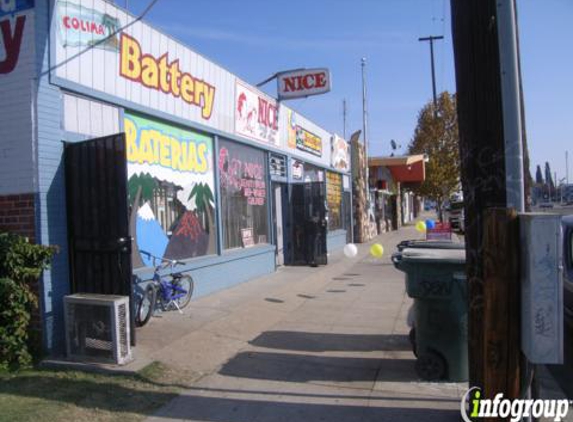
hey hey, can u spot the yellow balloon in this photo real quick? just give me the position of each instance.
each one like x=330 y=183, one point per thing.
x=421 y=226
x=377 y=250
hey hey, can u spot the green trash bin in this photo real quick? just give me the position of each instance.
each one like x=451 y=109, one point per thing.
x=436 y=280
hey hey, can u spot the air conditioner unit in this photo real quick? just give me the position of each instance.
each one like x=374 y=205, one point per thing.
x=97 y=328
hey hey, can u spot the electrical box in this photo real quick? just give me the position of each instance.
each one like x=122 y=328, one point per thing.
x=541 y=287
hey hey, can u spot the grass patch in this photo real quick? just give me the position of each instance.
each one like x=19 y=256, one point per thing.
x=61 y=395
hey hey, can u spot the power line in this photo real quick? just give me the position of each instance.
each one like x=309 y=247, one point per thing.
x=103 y=40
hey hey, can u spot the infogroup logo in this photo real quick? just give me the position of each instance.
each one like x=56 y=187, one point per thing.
x=515 y=409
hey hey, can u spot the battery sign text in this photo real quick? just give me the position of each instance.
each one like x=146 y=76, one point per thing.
x=164 y=75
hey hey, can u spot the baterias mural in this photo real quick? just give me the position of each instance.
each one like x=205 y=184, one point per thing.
x=171 y=190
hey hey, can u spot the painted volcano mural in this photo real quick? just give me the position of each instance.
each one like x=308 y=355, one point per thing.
x=171 y=185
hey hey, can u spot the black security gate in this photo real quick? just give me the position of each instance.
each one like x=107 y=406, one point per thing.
x=97 y=212
x=309 y=224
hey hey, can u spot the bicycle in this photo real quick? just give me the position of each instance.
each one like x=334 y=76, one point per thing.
x=169 y=292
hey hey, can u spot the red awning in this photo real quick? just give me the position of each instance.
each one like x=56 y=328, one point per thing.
x=409 y=168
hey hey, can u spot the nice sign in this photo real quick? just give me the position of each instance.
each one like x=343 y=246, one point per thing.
x=302 y=83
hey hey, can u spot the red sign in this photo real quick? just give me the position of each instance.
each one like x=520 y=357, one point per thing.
x=302 y=83
x=441 y=231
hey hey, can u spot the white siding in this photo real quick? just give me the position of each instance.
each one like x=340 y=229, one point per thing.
x=90 y=118
x=98 y=70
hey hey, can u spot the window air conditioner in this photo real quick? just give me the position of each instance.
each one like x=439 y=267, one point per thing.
x=97 y=328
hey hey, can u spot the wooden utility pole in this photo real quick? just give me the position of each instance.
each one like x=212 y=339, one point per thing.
x=491 y=274
x=501 y=349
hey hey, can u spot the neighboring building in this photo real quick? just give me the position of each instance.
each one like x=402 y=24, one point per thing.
x=210 y=170
x=391 y=179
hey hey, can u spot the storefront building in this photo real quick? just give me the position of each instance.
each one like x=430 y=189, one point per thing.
x=206 y=168
x=391 y=182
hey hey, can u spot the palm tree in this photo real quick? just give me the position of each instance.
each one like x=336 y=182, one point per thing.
x=205 y=206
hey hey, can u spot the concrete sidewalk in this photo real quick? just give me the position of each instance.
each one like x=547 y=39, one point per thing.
x=303 y=344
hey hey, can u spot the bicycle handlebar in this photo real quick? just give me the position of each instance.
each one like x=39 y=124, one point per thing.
x=154 y=257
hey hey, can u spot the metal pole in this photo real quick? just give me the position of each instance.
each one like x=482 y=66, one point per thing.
x=364 y=111
x=567 y=167
x=512 y=124
x=431 y=39
x=344 y=119
x=365 y=137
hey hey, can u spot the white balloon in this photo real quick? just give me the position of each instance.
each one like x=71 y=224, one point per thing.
x=350 y=250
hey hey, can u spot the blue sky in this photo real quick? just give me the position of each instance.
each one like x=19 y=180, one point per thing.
x=255 y=38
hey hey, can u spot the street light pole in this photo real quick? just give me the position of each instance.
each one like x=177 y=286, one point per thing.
x=431 y=39
x=344 y=118
x=567 y=167
x=364 y=109
x=365 y=138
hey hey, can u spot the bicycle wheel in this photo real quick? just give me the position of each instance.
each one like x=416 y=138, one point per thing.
x=145 y=306
x=186 y=283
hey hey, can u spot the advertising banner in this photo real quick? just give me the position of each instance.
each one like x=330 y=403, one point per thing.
x=171 y=189
x=81 y=26
x=302 y=139
x=139 y=65
x=10 y=7
x=334 y=199
x=13 y=27
x=256 y=115
x=340 y=153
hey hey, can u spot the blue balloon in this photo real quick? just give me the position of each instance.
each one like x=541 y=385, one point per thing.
x=430 y=224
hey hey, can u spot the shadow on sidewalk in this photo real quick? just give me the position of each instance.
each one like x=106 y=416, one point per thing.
x=323 y=342
x=217 y=409
x=306 y=368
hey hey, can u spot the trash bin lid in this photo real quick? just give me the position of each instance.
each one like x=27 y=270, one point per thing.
x=448 y=256
x=431 y=244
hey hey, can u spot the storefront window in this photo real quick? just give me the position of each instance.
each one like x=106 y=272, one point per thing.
x=244 y=205
x=171 y=191
x=313 y=173
x=334 y=200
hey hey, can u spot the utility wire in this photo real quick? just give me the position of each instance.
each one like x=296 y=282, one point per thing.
x=113 y=34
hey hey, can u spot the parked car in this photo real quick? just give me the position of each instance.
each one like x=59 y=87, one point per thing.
x=456 y=216
x=546 y=205
x=564 y=373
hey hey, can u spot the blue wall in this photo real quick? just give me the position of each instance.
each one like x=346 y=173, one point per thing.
x=51 y=199
x=213 y=273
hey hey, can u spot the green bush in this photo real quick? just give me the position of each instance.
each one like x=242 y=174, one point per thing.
x=21 y=263
x=16 y=305
x=21 y=260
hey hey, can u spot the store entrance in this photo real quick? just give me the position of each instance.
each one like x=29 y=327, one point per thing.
x=309 y=224
x=97 y=211
x=279 y=192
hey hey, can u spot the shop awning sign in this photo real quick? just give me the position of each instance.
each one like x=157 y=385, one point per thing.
x=303 y=83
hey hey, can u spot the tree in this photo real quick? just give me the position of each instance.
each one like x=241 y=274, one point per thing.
x=539 y=176
x=548 y=177
x=437 y=136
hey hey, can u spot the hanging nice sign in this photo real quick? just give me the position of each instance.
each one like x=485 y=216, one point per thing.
x=303 y=83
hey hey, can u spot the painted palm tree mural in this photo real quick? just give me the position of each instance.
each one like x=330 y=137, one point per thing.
x=171 y=183
x=205 y=206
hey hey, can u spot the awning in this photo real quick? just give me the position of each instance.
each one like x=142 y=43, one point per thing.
x=407 y=168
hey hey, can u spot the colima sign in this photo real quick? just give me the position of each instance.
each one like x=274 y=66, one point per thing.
x=302 y=83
